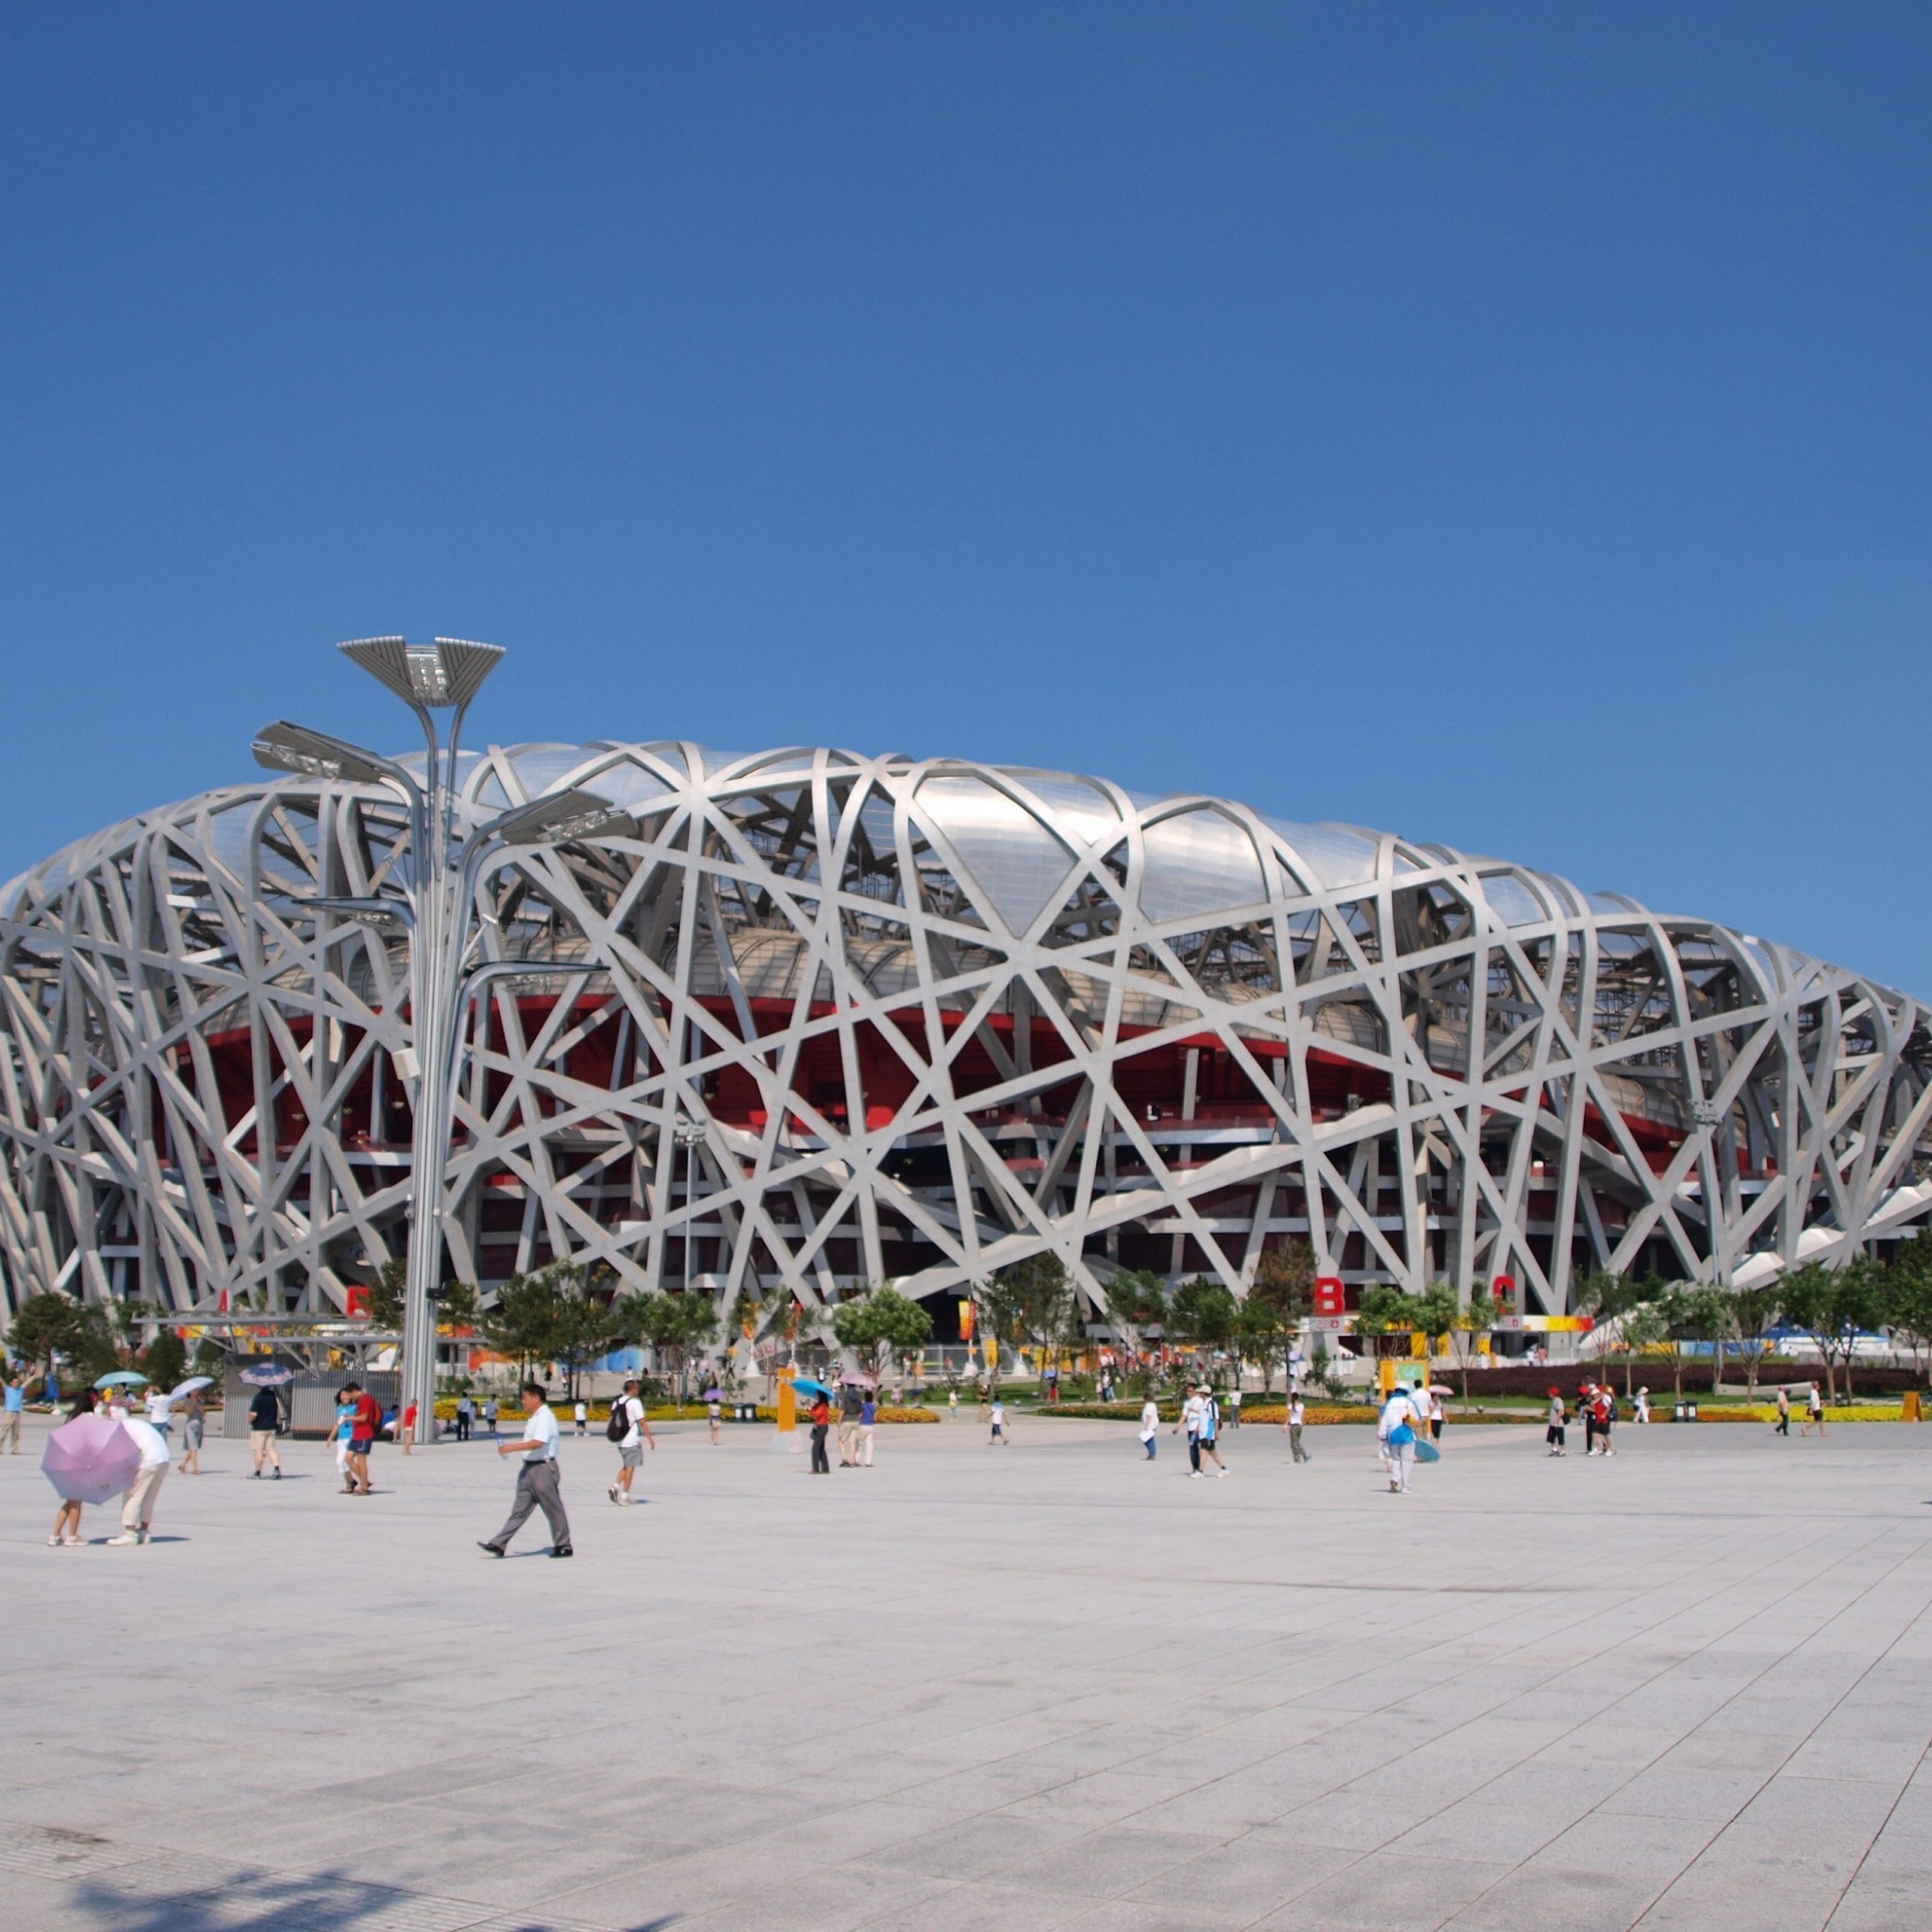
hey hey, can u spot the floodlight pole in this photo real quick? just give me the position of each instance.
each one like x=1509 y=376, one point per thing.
x=438 y=894
x=427 y=681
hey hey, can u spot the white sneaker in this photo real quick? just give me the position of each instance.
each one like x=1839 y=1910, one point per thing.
x=1219 y=1472
x=54 y=1542
x=1194 y=1475
x=126 y=1536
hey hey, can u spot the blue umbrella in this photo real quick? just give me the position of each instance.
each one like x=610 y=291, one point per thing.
x=121 y=1378
x=806 y=1386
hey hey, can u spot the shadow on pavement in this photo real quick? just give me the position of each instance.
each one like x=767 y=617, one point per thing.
x=323 y=1903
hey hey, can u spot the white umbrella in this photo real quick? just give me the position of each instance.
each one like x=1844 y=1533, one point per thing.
x=189 y=1387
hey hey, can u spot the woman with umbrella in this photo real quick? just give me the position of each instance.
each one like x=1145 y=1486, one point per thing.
x=67 y=1518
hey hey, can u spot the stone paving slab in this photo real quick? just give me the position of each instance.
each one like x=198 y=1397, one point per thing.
x=1050 y=1686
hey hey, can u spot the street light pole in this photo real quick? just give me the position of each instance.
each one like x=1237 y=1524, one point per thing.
x=437 y=902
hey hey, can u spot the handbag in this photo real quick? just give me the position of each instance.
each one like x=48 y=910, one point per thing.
x=1401 y=1435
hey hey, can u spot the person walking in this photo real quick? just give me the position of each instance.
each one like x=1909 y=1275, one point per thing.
x=13 y=1408
x=953 y=1406
x=581 y=1416
x=160 y=1416
x=1604 y=1411
x=1642 y=1405
x=137 y=1512
x=867 y=1421
x=715 y=1411
x=850 y=1402
x=1191 y=1422
x=537 y=1485
x=264 y=1420
x=821 y=1421
x=630 y=1429
x=67 y=1518
x=194 y=1426
x=466 y=1410
x=1210 y=1431
x=1150 y=1427
x=1814 y=1412
x=1397 y=1427
x=1436 y=1416
x=364 y=1426
x=1783 y=1424
x=1297 y=1416
x=406 y=1431
x=1234 y=1407
x=1556 y=1435
x=339 y=1431
x=490 y=1412
x=999 y=1424
x=1585 y=1408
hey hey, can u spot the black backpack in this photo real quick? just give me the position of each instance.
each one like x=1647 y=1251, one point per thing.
x=618 y=1427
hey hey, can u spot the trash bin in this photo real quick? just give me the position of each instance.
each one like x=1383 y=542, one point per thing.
x=1693 y=1407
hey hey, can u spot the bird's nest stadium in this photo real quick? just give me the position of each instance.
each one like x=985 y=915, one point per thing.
x=811 y=1020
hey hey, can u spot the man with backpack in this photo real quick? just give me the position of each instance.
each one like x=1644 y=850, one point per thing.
x=630 y=1429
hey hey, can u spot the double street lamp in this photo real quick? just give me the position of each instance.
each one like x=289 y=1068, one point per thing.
x=436 y=907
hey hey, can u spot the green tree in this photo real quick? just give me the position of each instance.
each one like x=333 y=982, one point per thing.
x=457 y=1305
x=1908 y=1298
x=678 y=1323
x=1752 y=1310
x=1134 y=1301
x=586 y=1323
x=385 y=1295
x=882 y=1323
x=1203 y=1315
x=524 y=1323
x=165 y=1360
x=1694 y=1314
x=1282 y=1298
x=1471 y=1322
x=999 y=1309
x=45 y=1326
x=1832 y=1304
x=1261 y=1336
x=1645 y=1327
x=1384 y=1310
x=1049 y=1306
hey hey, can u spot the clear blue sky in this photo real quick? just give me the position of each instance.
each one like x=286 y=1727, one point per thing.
x=1511 y=426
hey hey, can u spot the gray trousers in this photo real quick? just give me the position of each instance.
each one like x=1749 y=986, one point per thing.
x=1295 y=1442
x=537 y=1489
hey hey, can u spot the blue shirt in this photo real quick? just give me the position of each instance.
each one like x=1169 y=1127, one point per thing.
x=16 y=1397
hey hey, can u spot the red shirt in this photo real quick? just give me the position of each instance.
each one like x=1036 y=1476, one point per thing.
x=368 y=1416
x=821 y=1412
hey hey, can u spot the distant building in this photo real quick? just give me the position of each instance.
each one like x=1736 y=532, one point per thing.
x=843 y=1020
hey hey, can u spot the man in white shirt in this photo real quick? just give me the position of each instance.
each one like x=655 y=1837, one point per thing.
x=136 y=1513
x=160 y=1411
x=630 y=1445
x=1297 y=1415
x=1192 y=1411
x=1397 y=1427
x=537 y=1483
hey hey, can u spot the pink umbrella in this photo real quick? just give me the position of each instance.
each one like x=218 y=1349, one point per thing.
x=90 y=1458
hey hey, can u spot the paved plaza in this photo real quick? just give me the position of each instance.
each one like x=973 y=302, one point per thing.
x=1049 y=1685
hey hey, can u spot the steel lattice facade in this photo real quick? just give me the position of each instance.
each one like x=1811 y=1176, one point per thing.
x=843 y=1020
